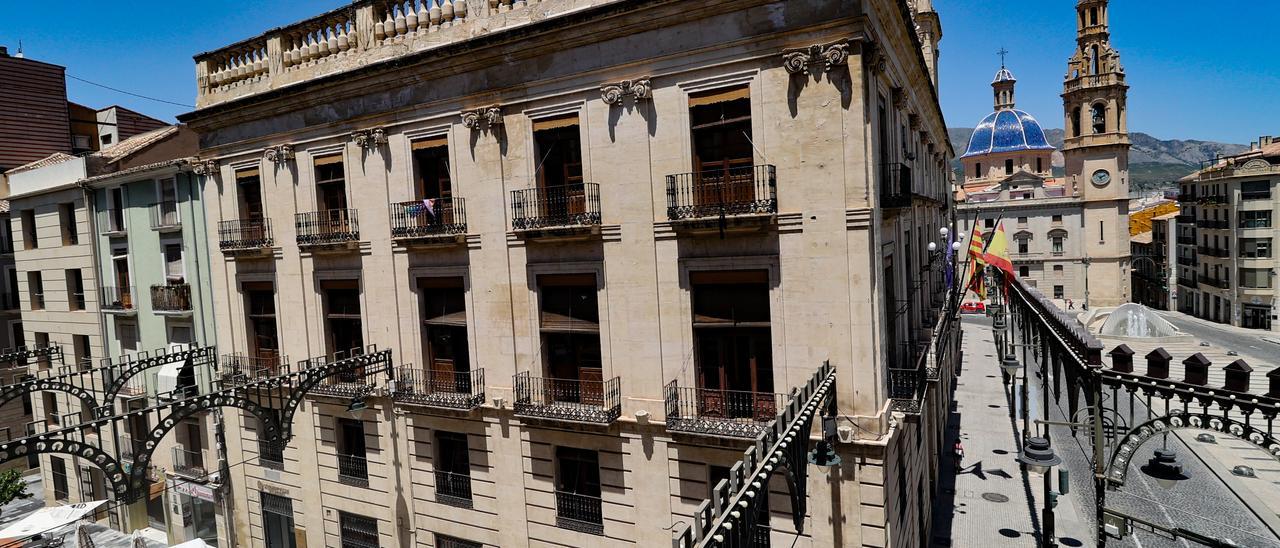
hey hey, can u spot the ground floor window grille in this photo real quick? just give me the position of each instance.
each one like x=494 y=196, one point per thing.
x=277 y=521
x=357 y=531
x=445 y=541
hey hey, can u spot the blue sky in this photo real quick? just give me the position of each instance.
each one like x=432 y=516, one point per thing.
x=1195 y=72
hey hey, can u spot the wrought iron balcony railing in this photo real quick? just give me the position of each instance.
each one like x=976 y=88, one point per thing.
x=165 y=216
x=244 y=234
x=1255 y=195
x=1187 y=197
x=729 y=413
x=353 y=470
x=448 y=389
x=1185 y=218
x=1220 y=252
x=129 y=447
x=1217 y=224
x=328 y=227
x=1188 y=282
x=346 y=384
x=555 y=207
x=1219 y=283
x=453 y=489
x=598 y=402
x=237 y=368
x=744 y=190
x=171 y=298
x=895 y=185
x=582 y=513
x=117 y=299
x=428 y=218
x=188 y=464
x=1187 y=261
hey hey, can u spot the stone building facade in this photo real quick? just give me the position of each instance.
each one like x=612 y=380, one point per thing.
x=602 y=238
x=1069 y=238
x=1226 y=236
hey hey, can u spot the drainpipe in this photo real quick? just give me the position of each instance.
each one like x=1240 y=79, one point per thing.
x=91 y=211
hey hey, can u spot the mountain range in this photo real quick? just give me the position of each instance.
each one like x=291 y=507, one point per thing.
x=1153 y=163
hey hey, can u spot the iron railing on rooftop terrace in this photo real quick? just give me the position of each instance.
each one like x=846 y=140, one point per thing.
x=358 y=34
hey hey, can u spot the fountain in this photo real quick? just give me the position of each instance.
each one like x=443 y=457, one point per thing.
x=1137 y=321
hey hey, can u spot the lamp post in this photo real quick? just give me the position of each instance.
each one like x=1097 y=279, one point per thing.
x=1037 y=457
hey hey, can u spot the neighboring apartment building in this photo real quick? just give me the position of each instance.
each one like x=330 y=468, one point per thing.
x=1226 y=237
x=128 y=215
x=1154 y=273
x=604 y=238
x=1069 y=236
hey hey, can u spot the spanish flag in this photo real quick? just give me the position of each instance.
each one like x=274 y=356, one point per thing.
x=997 y=253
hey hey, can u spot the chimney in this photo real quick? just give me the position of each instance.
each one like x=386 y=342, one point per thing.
x=1265 y=140
x=4 y=51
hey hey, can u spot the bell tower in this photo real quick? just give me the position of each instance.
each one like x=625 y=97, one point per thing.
x=1096 y=151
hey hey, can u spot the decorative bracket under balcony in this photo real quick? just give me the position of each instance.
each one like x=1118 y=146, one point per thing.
x=485 y=116
x=830 y=55
x=638 y=89
x=278 y=154
x=369 y=138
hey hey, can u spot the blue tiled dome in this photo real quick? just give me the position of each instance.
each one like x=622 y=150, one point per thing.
x=1003 y=75
x=1006 y=130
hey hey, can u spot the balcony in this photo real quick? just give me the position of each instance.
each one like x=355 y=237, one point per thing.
x=1219 y=283
x=331 y=227
x=245 y=235
x=558 y=209
x=1216 y=224
x=1187 y=282
x=117 y=300
x=348 y=384
x=726 y=413
x=1213 y=199
x=1255 y=195
x=171 y=300
x=1185 y=218
x=573 y=400
x=189 y=464
x=453 y=489
x=353 y=470
x=895 y=186
x=1187 y=261
x=580 y=513
x=443 y=220
x=445 y=389
x=130 y=448
x=1186 y=197
x=165 y=217
x=236 y=369
x=1219 y=252
x=1094 y=80
x=111 y=221
x=718 y=194
x=1186 y=240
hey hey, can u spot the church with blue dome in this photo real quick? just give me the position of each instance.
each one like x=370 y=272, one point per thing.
x=1006 y=142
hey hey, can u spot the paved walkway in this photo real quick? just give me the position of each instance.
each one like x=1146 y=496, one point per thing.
x=102 y=536
x=991 y=502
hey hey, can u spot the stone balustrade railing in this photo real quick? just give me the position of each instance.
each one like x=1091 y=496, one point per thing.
x=364 y=32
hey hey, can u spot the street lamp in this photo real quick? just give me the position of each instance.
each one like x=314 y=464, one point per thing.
x=1164 y=468
x=1010 y=365
x=1038 y=456
x=357 y=407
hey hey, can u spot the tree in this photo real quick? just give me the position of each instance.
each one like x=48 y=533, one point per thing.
x=12 y=487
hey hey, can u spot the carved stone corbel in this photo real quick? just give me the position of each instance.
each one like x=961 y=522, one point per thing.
x=278 y=154
x=369 y=138
x=480 y=117
x=204 y=167
x=638 y=89
x=831 y=55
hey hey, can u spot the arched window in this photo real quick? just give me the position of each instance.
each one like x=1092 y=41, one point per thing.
x=1075 y=122
x=1099 y=117
x=1093 y=60
x=977 y=170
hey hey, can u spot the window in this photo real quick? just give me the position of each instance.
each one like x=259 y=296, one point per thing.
x=260 y=305
x=1057 y=244
x=59 y=478
x=1255 y=219
x=6 y=238
x=1099 y=116
x=51 y=411
x=444 y=334
x=1057 y=219
x=1058 y=292
x=106 y=139
x=1024 y=271
x=1075 y=122
x=433 y=179
x=570 y=328
x=1022 y=246
x=1022 y=221
x=331 y=183
x=42 y=341
x=342 y=315
x=115 y=219
x=445 y=541
x=127 y=337
x=353 y=465
x=174 y=271
x=249 y=194
x=67 y=221
x=1255 y=248
x=733 y=347
x=1039 y=165
x=977 y=170
x=1255 y=190
x=1057 y=269
x=82 y=352
x=578 y=490
x=988 y=223
x=1008 y=166
x=30 y=239
x=75 y=289
x=277 y=520
x=120 y=296
x=453 y=469
x=357 y=531
x=35 y=283
x=720 y=123
x=1255 y=278
x=558 y=152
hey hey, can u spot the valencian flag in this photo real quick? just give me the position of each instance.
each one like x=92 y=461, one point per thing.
x=997 y=253
x=976 y=263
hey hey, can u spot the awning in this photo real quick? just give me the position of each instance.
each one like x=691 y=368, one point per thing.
x=45 y=519
x=167 y=378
